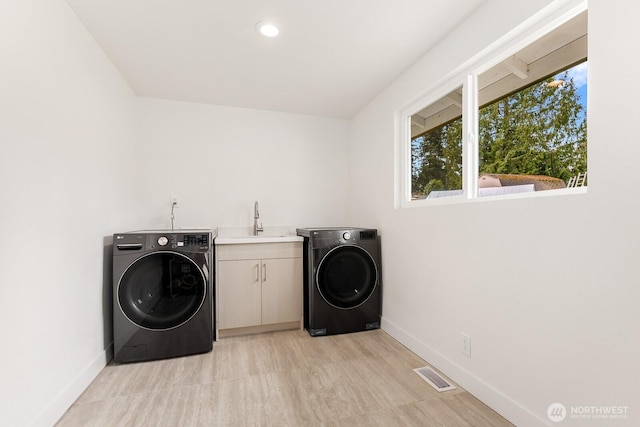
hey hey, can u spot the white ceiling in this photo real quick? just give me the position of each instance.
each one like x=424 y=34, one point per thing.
x=330 y=59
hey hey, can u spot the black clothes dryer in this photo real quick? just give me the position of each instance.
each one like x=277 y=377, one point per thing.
x=162 y=294
x=342 y=280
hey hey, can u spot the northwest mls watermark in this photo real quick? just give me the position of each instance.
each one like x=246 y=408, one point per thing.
x=557 y=412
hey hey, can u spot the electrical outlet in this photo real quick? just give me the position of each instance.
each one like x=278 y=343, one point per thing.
x=175 y=201
x=466 y=345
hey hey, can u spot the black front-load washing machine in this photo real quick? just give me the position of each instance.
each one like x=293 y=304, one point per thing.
x=342 y=280
x=162 y=294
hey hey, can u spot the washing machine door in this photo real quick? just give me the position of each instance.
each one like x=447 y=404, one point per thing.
x=162 y=290
x=346 y=276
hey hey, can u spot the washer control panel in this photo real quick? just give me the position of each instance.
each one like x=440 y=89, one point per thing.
x=191 y=241
x=194 y=241
x=327 y=237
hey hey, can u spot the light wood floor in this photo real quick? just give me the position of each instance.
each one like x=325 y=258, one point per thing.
x=279 y=379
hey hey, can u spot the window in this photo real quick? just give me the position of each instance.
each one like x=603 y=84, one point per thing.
x=526 y=123
x=436 y=148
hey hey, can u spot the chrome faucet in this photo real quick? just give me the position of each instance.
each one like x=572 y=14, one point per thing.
x=256 y=216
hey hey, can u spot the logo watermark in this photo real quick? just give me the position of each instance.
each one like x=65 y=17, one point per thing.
x=557 y=412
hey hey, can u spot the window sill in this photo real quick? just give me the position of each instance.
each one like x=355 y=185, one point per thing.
x=456 y=200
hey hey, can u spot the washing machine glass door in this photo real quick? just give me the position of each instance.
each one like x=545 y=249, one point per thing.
x=161 y=290
x=346 y=276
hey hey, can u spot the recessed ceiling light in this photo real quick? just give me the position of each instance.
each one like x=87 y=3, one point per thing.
x=267 y=29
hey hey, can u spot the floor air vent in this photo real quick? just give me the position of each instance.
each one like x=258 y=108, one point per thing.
x=435 y=379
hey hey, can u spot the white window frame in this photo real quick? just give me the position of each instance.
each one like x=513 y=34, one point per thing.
x=466 y=75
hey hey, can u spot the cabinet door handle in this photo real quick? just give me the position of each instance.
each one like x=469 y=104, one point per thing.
x=257 y=272
x=264 y=272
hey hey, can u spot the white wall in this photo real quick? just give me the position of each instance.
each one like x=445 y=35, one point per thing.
x=219 y=160
x=548 y=288
x=65 y=142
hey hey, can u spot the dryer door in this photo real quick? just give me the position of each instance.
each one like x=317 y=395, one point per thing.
x=346 y=276
x=161 y=290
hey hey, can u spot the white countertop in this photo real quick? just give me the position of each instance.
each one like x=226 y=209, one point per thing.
x=244 y=235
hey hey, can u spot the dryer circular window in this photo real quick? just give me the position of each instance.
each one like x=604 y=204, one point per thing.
x=347 y=276
x=162 y=290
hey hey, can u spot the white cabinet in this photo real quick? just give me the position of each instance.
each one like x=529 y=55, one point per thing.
x=239 y=294
x=259 y=287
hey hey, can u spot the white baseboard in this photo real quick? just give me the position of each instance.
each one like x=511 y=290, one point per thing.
x=63 y=401
x=513 y=411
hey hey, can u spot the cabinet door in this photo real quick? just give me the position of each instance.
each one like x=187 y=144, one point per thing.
x=239 y=293
x=281 y=290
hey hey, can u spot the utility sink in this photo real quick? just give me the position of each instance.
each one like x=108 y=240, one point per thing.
x=244 y=235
